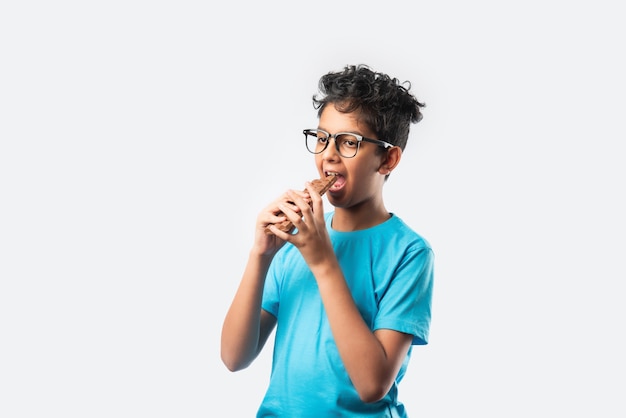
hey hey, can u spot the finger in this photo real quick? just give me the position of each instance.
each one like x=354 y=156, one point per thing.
x=300 y=199
x=316 y=199
x=285 y=236
x=290 y=210
x=299 y=219
x=274 y=219
x=317 y=206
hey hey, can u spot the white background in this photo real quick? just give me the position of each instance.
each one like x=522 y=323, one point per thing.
x=138 y=141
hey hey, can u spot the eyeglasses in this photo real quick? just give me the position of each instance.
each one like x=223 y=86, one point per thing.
x=346 y=143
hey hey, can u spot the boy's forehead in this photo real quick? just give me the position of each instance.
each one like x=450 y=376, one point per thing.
x=332 y=120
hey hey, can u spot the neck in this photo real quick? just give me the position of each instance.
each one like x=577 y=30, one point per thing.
x=359 y=217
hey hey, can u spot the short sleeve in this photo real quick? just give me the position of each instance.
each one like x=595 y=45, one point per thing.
x=406 y=304
x=270 y=290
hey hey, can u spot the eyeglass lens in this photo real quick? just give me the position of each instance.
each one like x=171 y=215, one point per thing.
x=347 y=145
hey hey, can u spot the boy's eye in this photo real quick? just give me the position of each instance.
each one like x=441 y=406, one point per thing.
x=347 y=141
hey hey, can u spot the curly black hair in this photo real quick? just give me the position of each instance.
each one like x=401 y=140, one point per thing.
x=385 y=104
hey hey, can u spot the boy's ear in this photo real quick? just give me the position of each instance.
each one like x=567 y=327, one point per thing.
x=391 y=160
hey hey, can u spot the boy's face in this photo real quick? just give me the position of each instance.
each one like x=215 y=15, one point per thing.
x=360 y=178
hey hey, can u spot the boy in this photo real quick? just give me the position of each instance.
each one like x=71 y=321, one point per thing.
x=348 y=291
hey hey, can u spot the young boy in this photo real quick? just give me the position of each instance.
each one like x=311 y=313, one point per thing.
x=348 y=291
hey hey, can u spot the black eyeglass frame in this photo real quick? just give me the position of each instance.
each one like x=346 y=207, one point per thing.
x=360 y=138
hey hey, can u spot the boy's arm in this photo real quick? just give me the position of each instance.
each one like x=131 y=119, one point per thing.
x=372 y=359
x=246 y=326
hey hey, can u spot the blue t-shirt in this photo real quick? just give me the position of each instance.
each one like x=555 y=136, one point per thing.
x=389 y=270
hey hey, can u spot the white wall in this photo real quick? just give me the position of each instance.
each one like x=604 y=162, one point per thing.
x=134 y=158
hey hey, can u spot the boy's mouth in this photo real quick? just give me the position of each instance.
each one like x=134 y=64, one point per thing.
x=339 y=183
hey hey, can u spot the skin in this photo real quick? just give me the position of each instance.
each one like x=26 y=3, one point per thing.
x=372 y=359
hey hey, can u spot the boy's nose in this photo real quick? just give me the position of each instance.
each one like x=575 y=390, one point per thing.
x=331 y=153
